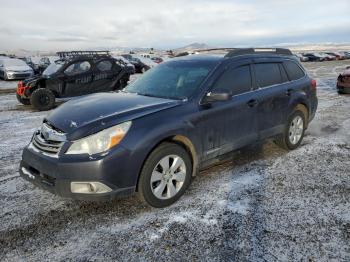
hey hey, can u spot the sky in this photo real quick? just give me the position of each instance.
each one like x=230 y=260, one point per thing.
x=76 y=24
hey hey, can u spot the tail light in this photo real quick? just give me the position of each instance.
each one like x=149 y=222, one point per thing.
x=313 y=84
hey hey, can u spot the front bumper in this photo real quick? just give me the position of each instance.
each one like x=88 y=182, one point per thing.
x=18 y=75
x=56 y=174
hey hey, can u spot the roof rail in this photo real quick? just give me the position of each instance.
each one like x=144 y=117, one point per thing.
x=215 y=49
x=249 y=51
x=69 y=54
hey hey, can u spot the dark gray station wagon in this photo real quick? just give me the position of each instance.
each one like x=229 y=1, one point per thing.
x=154 y=136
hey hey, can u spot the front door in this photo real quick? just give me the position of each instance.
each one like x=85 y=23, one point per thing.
x=228 y=125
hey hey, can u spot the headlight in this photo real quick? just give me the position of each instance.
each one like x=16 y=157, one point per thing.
x=101 y=141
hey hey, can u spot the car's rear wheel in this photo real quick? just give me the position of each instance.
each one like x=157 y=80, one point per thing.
x=24 y=101
x=294 y=131
x=143 y=70
x=165 y=176
x=42 y=99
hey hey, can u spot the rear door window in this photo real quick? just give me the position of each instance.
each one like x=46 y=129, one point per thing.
x=78 y=68
x=235 y=80
x=104 y=65
x=293 y=70
x=268 y=74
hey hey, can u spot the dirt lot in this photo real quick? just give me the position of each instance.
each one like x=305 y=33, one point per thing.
x=264 y=204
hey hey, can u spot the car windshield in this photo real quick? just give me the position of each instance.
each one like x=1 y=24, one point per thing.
x=173 y=80
x=52 y=68
x=14 y=62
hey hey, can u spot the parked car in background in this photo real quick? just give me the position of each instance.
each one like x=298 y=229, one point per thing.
x=142 y=64
x=345 y=54
x=44 y=62
x=313 y=57
x=33 y=63
x=145 y=63
x=129 y=66
x=337 y=55
x=135 y=61
x=73 y=74
x=157 y=60
x=182 y=116
x=343 y=82
x=13 y=68
x=301 y=58
x=325 y=57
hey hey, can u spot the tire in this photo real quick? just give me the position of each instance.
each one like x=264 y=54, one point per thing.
x=292 y=137
x=42 y=99
x=160 y=193
x=143 y=70
x=24 y=101
x=5 y=77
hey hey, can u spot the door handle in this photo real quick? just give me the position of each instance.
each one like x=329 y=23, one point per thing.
x=252 y=103
x=289 y=92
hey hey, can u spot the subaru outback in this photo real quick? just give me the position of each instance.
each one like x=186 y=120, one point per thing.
x=154 y=136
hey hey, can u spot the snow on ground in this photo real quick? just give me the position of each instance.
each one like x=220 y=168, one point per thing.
x=7 y=86
x=263 y=204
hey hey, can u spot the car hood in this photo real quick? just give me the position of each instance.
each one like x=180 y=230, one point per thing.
x=18 y=68
x=80 y=117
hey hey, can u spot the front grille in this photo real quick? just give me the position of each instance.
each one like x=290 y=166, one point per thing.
x=21 y=75
x=49 y=139
x=47 y=146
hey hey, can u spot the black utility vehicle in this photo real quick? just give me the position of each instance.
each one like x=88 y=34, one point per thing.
x=176 y=119
x=75 y=73
x=141 y=65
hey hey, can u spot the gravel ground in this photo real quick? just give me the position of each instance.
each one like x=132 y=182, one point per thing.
x=265 y=204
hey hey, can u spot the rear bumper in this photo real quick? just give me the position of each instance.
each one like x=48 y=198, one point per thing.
x=55 y=175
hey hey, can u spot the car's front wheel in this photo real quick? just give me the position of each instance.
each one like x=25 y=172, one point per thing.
x=165 y=176
x=294 y=131
x=42 y=99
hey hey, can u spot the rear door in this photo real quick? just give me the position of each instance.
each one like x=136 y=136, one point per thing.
x=273 y=93
x=228 y=125
x=78 y=78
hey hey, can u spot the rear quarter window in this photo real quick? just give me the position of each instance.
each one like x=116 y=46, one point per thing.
x=293 y=70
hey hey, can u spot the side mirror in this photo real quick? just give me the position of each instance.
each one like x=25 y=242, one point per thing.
x=217 y=96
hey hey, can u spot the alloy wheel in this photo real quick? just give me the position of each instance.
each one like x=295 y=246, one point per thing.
x=168 y=177
x=296 y=129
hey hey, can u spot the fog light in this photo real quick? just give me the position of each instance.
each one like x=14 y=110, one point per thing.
x=89 y=188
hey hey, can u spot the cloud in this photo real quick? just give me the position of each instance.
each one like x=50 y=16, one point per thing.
x=51 y=25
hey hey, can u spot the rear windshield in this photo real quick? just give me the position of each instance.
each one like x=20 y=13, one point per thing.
x=173 y=80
